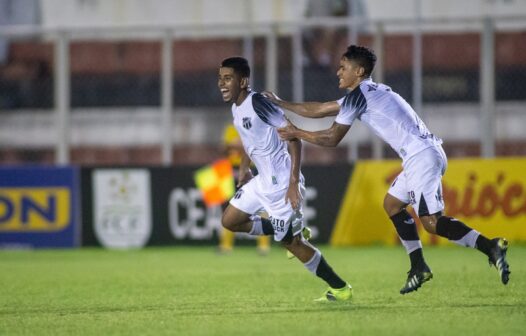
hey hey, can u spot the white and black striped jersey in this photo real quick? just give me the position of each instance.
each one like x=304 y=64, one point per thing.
x=256 y=120
x=388 y=115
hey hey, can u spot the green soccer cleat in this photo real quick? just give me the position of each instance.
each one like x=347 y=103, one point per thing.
x=332 y=294
x=415 y=279
x=497 y=258
x=306 y=232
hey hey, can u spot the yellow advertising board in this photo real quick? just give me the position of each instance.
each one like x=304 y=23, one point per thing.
x=488 y=195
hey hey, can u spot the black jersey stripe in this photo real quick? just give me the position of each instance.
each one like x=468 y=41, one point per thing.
x=265 y=109
x=355 y=101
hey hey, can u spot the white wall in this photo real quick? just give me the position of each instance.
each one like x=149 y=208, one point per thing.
x=390 y=9
x=93 y=13
x=89 y=13
x=142 y=126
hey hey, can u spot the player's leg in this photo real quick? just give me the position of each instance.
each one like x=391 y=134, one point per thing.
x=313 y=260
x=237 y=220
x=423 y=176
x=263 y=242
x=461 y=234
x=226 y=237
x=406 y=228
x=288 y=227
x=395 y=203
x=430 y=205
x=238 y=216
x=306 y=233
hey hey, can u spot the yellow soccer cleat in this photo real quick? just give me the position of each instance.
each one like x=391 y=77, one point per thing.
x=332 y=294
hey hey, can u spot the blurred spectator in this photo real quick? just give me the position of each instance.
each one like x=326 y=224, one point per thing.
x=321 y=43
x=17 y=75
x=16 y=12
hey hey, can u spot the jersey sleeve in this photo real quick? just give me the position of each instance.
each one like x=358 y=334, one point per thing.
x=267 y=111
x=352 y=106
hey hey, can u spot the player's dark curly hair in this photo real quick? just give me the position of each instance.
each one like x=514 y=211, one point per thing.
x=239 y=64
x=364 y=56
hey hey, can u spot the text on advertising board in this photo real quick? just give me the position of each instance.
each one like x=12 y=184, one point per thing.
x=34 y=209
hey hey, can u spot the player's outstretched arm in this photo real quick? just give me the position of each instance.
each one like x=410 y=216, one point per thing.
x=293 y=193
x=307 y=109
x=327 y=138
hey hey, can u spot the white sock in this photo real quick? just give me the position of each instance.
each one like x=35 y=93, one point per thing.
x=411 y=245
x=312 y=264
x=469 y=240
x=257 y=226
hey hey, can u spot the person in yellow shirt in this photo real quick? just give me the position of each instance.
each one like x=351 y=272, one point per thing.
x=233 y=151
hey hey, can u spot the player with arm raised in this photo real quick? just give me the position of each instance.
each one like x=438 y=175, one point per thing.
x=279 y=184
x=424 y=162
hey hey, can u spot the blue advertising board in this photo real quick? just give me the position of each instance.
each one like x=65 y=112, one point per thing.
x=39 y=207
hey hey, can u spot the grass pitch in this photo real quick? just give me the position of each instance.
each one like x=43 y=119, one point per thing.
x=193 y=291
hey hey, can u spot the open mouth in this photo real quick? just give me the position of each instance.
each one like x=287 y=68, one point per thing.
x=225 y=93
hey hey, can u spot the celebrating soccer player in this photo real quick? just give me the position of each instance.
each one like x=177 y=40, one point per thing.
x=279 y=185
x=424 y=162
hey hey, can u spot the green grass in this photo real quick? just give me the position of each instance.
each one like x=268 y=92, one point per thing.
x=192 y=291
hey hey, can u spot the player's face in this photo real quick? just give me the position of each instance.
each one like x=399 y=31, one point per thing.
x=349 y=74
x=229 y=84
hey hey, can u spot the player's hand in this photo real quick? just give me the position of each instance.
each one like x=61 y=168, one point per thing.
x=271 y=96
x=293 y=196
x=288 y=132
x=244 y=177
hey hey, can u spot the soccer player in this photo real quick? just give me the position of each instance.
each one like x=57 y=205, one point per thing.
x=424 y=162
x=278 y=186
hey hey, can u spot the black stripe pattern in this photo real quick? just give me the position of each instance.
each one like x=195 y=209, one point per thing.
x=267 y=111
x=355 y=102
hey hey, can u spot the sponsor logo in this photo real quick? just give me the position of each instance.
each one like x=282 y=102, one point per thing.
x=486 y=198
x=189 y=217
x=409 y=221
x=277 y=224
x=34 y=209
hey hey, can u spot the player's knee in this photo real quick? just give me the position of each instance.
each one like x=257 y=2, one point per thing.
x=227 y=222
x=290 y=242
x=429 y=223
x=392 y=206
